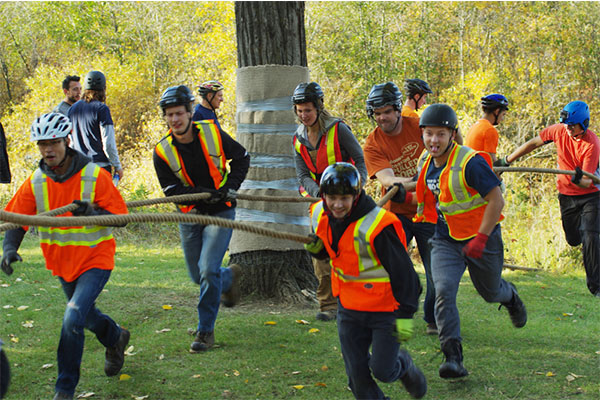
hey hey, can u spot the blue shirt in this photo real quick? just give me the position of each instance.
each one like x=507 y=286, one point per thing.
x=478 y=175
x=202 y=113
x=87 y=118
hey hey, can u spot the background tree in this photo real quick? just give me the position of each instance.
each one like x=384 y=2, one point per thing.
x=272 y=61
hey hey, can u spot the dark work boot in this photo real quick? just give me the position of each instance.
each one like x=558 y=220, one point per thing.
x=452 y=366
x=115 y=356
x=516 y=309
x=202 y=342
x=413 y=379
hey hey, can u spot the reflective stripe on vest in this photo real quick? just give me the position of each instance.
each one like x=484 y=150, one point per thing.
x=212 y=147
x=69 y=236
x=329 y=152
x=462 y=205
x=370 y=270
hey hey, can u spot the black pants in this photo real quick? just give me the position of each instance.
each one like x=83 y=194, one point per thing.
x=581 y=223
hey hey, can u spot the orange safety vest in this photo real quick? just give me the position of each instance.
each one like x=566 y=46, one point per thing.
x=69 y=236
x=212 y=147
x=328 y=153
x=358 y=278
x=462 y=206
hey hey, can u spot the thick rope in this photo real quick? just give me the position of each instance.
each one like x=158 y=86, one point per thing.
x=51 y=213
x=188 y=198
x=593 y=177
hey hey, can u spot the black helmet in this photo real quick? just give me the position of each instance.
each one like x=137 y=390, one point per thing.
x=177 y=96
x=307 y=93
x=340 y=178
x=439 y=115
x=94 y=80
x=209 y=87
x=416 y=86
x=494 y=101
x=384 y=94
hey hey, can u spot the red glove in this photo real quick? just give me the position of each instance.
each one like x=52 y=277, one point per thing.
x=475 y=247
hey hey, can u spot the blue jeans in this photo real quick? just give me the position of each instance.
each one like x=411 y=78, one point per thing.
x=204 y=247
x=422 y=232
x=81 y=312
x=359 y=331
x=448 y=267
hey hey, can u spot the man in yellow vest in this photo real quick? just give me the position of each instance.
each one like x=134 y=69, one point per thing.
x=193 y=158
x=373 y=279
x=81 y=257
x=459 y=192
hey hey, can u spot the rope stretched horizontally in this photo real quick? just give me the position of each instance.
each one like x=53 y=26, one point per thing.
x=593 y=177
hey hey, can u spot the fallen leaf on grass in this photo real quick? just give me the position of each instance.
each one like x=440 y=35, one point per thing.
x=161 y=357
x=321 y=384
x=5 y=285
x=313 y=330
x=163 y=330
x=197 y=376
x=236 y=372
x=27 y=324
x=302 y=322
x=6 y=307
x=46 y=366
x=270 y=323
x=298 y=387
x=295 y=372
x=124 y=377
x=550 y=374
x=86 y=395
x=129 y=351
x=324 y=368
x=14 y=339
x=139 y=397
x=22 y=308
x=167 y=307
x=567 y=314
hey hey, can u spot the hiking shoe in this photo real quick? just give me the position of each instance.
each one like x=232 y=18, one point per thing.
x=413 y=379
x=202 y=342
x=115 y=356
x=62 y=396
x=516 y=309
x=431 y=329
x=452 y=367
x=232 y=296
x=328 y=315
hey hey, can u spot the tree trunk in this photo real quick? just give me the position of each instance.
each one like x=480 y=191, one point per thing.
x=272 y=62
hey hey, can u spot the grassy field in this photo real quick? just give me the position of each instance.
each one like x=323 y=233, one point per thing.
x=264 y=352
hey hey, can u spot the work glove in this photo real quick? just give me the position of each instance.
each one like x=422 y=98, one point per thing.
x=404 y=327
x=502 y=162
x=228 y=194
x=400 y=196
x=475 y=247
x=315 y=246
x=9 y=257
x=85 y=208
x=215 y=197
x=578 y=175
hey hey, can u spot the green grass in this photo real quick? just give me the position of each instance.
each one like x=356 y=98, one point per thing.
x=257 y=361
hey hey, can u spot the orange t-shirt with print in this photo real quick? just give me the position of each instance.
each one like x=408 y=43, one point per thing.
x=483 y=136
x=400 y=153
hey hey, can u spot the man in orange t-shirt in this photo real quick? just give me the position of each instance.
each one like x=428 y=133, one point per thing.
x=391 y=154
x=82 y=257
x=483 y=135
x=578 y=149
x=416 y=91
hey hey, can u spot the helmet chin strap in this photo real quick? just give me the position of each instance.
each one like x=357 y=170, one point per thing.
x=417 y=101
x=496 y=114
x=60 y=164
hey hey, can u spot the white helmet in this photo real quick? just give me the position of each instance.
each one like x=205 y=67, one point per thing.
x=50 y=126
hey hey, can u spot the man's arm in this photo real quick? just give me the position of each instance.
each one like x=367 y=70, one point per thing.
x=110 y=147
x=387 y=178
x=524 y=149
x=349 y=142
x=239 y=164
x=304 y=178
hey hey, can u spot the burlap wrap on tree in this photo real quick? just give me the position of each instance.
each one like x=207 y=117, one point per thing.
x=266 y=131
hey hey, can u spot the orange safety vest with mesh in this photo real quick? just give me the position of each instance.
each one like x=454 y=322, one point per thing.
x=212 y=148
x=69 y=236
x=462 y=206
x=328 y=153
x=358 y=278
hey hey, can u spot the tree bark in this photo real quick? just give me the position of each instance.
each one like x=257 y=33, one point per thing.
x=270 y=34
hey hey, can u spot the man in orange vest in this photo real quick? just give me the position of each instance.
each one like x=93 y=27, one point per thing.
x=81 y=257
x=459 y=192
x=373 y=279
x=195 y=157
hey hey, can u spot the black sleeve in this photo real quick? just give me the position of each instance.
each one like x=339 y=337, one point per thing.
x=170 y=183
x=13 y=239
x=238 y=164
x=403 y=278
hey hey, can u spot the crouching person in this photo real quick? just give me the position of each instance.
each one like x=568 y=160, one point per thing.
x=82 y=257
x=373 y=279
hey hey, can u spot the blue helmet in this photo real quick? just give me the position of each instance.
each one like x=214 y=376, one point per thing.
x=576 y=112
x=494 y=101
